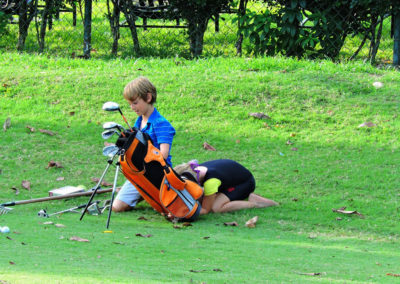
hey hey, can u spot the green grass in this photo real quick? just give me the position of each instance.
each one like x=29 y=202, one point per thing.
x=318 y=106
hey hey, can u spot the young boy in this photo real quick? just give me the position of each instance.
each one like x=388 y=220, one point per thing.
x=141 y=95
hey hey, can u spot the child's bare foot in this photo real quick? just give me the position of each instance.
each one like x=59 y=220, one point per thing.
x=261 y=200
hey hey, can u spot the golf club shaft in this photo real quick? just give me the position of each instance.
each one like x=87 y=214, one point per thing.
x=109 y=162
x=78 y=194
x=112 y=195
x=125 y=119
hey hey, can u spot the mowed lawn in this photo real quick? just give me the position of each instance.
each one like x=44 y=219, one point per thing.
x=329 y=140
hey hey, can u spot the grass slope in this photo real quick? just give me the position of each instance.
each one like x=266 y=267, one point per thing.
x=329 y=162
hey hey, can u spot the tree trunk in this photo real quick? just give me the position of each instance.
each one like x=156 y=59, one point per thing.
x=114 y=18
x=196 y=29
x=26 y=13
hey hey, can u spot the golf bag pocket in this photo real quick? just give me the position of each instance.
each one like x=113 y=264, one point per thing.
x=182 y=203
x=144 y=166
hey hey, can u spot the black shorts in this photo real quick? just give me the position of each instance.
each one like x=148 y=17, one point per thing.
x=240 y=191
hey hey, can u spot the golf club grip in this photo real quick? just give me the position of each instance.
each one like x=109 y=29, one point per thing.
x=78 y=194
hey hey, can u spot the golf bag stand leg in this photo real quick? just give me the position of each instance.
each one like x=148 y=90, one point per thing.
x=113 y=193
x=109 y=162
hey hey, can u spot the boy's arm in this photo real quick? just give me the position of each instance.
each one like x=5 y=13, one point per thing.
x=164 y=149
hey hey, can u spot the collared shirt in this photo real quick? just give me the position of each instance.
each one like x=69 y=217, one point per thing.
x=159 y=130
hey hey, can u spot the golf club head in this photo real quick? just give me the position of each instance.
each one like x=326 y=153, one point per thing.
x=108 y=133
x=110 y=106
x=113 y=125
x=110 y=151
x=42 y=213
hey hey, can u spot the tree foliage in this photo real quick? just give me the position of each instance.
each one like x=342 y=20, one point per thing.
x=312 y=27
x=197 y=13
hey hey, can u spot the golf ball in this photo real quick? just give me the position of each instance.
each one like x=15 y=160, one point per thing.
x=5 y=229
x=378 y=85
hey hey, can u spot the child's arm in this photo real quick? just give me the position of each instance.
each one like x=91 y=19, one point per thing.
x=164 y=149
x=207 y=204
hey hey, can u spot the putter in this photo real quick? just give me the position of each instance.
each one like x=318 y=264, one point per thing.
x=112 y=106
x=108 y=133
x=44 y=214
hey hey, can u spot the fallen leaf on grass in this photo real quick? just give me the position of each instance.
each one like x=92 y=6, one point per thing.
x=144 y=236
x=11 y=239
x=26 y=184
x=197 y=271
x=289 y=142
x=55 y=102
x=142 y=218
x=16 y=190
x=208 y=147
x=234 y=224
x=217 y=270
x=347 y=212
x=32 y=129
x=393 y=274
x=12 y=262
x=206 y=238
x=53 y=164
x=259 y=115
x=59 y=225
x=118 y=243
x=48 y=132
x=7 y=124
x=294 y=149
x=71 y=113
x=252 y=222
x=367 y=124
x=78 y=239
x=103 y=183
x=60 y=179
x=311 y=274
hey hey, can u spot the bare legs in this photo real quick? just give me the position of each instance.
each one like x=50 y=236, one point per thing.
x=223 y=204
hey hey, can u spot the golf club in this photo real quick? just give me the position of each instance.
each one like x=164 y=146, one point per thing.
x=108 y=133
x=112 y=106
x=110 y=151
x=112 y=125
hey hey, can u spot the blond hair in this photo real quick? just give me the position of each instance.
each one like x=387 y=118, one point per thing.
x=140 y=87
x=185 y=168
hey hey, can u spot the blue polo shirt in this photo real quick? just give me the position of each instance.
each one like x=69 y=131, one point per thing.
x=160 y=131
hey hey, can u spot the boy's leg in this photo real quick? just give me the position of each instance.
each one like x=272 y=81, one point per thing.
x=126 y=199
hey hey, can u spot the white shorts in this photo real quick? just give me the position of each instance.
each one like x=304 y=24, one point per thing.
x=128 y=194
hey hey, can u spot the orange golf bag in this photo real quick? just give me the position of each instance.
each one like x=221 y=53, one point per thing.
x=144 y=166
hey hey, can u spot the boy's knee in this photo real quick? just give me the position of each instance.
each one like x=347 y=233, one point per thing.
x=120 y=206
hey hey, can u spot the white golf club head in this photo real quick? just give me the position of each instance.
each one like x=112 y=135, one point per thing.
x=111 y=106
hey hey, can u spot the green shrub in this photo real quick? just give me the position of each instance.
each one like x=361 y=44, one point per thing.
x=4 y=20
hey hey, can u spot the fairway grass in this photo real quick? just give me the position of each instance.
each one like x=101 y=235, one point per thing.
x=311 y=156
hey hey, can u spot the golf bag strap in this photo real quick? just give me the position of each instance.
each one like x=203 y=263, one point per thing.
x=154 y=154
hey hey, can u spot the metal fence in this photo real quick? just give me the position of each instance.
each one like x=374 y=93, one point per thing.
x=131 y=28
